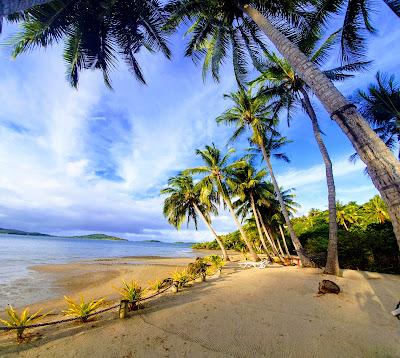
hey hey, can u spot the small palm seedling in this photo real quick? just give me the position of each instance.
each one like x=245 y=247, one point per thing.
x=82 y=309
x=132 y=292
x=18 y=322
x=157 y=285
x=217 y=262
x=181 y=277
x=198 y=268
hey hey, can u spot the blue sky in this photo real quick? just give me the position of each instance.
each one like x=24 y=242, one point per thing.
x=94 y=160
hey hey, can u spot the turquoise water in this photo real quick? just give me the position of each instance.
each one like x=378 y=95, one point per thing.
x=20 y=285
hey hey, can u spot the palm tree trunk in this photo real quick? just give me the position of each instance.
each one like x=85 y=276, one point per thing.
x=12 y=6
x=382 y=166
x=224 y=253
x=270 y=239
x=306 y=262
x=284 y=241
x=260 y=234
x=239 y=226
x=332 y=261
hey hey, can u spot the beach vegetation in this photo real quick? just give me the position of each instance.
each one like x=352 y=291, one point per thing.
x=19 y=321
x=216 y=262
x=82 y=309
x=157 y=285
x=366 y=240
x=182 y=277
x=198 y=268
x=133 y=292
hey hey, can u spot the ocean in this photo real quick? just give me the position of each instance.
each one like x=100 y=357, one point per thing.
x=20 y=285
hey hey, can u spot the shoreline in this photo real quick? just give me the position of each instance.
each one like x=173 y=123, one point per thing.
x=96 y=278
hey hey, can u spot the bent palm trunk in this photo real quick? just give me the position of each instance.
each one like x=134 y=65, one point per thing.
x=253 y=254
x=224 y=253
x=332 y=261
x=382 y=166
x=306 y=262
x=284 y=241
x=228 y=203
x=270 y=240
x=260 y=234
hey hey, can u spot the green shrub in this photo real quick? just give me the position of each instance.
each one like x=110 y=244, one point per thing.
x=19 y=321
x=82 y=309
x=182 y=277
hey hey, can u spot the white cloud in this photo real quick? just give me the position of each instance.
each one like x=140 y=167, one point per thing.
x=297 y=178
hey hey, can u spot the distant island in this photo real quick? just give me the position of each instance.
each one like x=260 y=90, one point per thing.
x=86 y=237
x=97 y=237
x=20 y=232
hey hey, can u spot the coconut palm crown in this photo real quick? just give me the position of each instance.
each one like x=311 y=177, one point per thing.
x=95 y=33
x=183 y=198
x=380 y=104
x=217 y=168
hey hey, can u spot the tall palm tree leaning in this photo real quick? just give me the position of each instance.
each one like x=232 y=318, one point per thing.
x=95 y=33
x=245 y=183
x=279 y=80
x=217 y=24
x=252 y=112
x=184 y=202
x=216 y=169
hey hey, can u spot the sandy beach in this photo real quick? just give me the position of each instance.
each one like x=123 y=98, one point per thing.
x=273 y=312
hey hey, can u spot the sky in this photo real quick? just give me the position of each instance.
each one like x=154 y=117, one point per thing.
x=92 y=160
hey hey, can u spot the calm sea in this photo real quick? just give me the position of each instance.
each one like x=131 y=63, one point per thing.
x=19 y=285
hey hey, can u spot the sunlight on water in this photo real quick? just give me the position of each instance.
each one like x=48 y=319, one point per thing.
x=19 y=253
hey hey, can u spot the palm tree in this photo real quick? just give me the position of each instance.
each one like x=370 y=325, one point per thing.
x=252 y=112
x=376 y=211
x=185 y=201
x=356 y=22
x=380 y=105
x=347 y=214
x=270 y=213
x=245 y=183
x=95 y=33
x=280 y=80
x=218 y=25
x=216 y=169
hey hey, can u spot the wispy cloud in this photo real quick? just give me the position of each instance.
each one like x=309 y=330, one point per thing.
x=296 y=178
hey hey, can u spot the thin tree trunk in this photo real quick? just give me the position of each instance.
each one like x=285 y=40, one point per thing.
x=306 y=262
x=239 y=226
x=332 y=261
x=284 y=241
x=242 y=233
x=382 y=166
x=270 y=239
x=8 y=7
x=280 y=247
x=224 y=253
x=260 y=234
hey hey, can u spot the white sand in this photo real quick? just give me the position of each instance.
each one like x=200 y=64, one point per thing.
x=250 y=313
